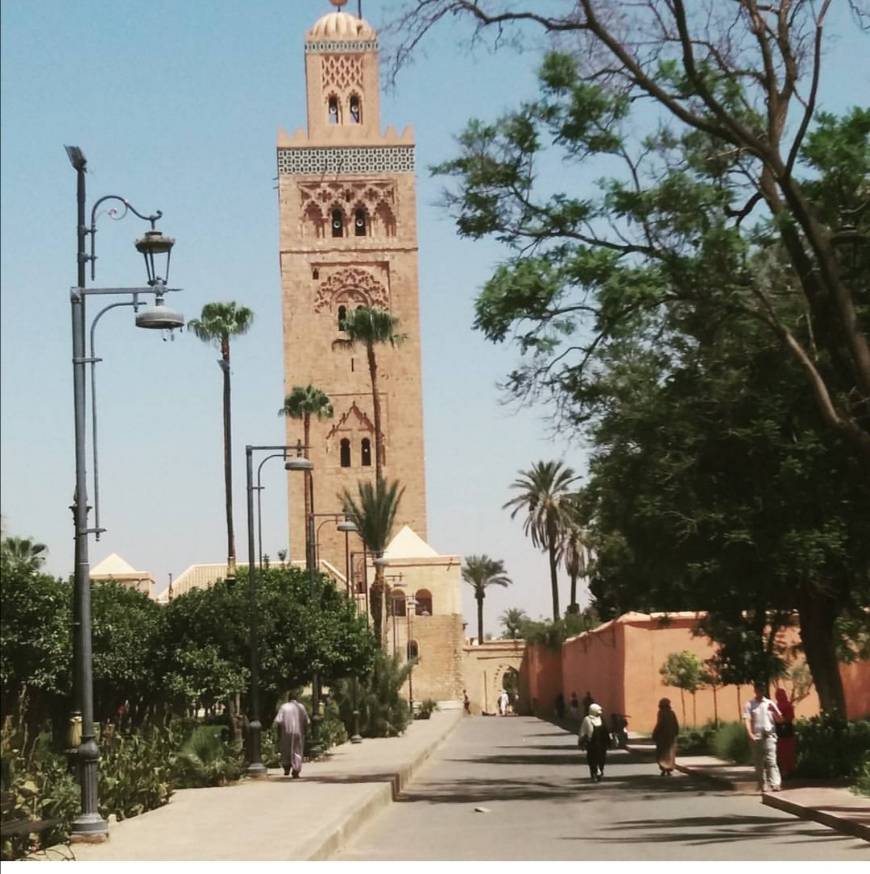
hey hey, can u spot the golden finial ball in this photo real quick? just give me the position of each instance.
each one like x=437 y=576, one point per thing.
x=338 y=3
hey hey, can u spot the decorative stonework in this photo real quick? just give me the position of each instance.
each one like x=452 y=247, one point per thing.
x=361 y=422
x=342 y=72
x=324 y=46
x=352 y=285
x=368 y=193
x=349 y=161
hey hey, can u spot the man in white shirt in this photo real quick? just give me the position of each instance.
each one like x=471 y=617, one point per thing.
x=759 y=717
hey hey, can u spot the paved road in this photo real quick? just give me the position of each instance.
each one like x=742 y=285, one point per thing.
x=530 y=777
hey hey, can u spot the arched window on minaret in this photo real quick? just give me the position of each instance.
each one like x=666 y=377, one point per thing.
x=342 y=318
x=337 y=223
x=355 y=109
x=334 y=115
x=366 y=452
x=344 y=452
x=360 y=222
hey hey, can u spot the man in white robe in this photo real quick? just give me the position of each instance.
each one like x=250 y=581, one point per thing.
x=292 y=721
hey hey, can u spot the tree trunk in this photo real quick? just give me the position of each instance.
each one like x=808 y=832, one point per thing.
x=376 y=411
x=554 y=581
x=817 y=613
x=715 y=708
x=377 y=604
x=308 y=482
x=479 y=597
x=683 y=704
x=228 y=458
x=573 y=606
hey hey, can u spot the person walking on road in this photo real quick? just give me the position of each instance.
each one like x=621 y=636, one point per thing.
x=665 y=737
x=595 y=739
x=574 y=708
x=292 y=721
x=786 y=740
x=503 y=701
x=759 y=716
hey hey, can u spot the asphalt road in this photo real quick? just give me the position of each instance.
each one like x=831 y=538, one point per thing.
x=539 y=804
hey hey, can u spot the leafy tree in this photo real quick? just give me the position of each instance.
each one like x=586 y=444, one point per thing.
x=512 y=620
x=684 y=671
x=217 y=323
x=553 y=634
x=543 y=494
x=480 y=572
x=735 y=87
x=35 y=641
x=303 y=403
x=373 y=512
x=23 y=552
x=127 y=634
x=201 y=677
x=371 y=327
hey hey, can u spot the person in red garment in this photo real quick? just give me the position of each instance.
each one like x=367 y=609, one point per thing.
x=786 y=740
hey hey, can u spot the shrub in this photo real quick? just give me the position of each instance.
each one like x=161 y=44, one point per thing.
x=862 y=784
x=207 y=758
x=695 y=743
x=426 y=709
x=830 y=747
x=730 y=742
x=383 y=711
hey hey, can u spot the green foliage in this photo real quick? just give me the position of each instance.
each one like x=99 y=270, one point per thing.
x=862 y=781
x=136 y=770
x=425 y=709
x=332 y=729
x=307 y=401
x=207 y=758
x=683 y=670
x=830 y=747
x=373 y=511
x=220 y=321
x=553 y=634
x=730 y=742
x=383 y=711
x=513 y=620
x=692 y=742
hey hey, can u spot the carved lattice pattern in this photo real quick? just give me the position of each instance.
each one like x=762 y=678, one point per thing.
x=341 y=72
x=352 y=285
x=376 y=199
x=345 y=161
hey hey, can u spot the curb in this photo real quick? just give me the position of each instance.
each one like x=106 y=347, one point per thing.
x=325 y=845
x=746 y=786
x=840 y=824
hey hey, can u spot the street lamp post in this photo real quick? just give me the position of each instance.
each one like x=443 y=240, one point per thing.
x=89 y=825
x=259 y=490
x=255 y=768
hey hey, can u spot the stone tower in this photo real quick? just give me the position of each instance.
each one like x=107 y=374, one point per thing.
x=348 y=238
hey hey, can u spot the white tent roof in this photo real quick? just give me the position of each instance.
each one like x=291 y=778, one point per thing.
x=408 y=544
x=112 y=565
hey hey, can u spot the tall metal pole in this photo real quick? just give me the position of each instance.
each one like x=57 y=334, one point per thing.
x=88 y=825
x=255 y=767
x=315 y=749
x=356 y=737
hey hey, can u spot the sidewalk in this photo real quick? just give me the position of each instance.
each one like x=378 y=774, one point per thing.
x=835 y=807
x=277 y=819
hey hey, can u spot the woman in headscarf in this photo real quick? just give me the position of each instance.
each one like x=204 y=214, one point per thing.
x=786 y=740
x=595 y=739
x=665 y=737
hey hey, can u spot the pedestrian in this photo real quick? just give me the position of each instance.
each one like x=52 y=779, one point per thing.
x=587 y=701
x=466 y=702
x=574 y=708
x=786 y=739
x=665 y=737
x=759 y=716
x=503 y=701
x=595 y=739
x=559 y=706
x=292 y=721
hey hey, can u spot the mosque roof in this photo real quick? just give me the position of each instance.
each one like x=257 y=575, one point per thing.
x=408 y=544
x=112 y=565
x=341 y=25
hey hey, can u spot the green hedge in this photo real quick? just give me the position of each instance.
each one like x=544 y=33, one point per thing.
x=832 y=748
x=730 y=742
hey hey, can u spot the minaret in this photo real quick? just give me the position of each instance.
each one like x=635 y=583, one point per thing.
x=349 y=238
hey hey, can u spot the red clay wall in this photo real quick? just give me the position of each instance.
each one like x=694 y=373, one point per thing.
x=619 y=664
x=542 y=674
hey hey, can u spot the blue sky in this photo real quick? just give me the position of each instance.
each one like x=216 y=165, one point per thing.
x=176 y=106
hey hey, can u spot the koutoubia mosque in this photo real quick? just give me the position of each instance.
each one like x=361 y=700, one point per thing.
x=348 y=239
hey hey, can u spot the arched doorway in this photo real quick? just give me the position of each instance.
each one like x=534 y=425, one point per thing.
x=510 y=682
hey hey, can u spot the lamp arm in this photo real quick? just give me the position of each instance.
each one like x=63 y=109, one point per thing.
x=128 y=207
x=92 y=360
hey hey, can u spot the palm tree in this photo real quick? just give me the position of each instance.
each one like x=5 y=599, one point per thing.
x=216 y=324
x=544 y=492
x=303 y=403
x=23 y=553
x=479 y=572
x=513 y=619
x=373 y=512
x=574 y=553
x=371 y=326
